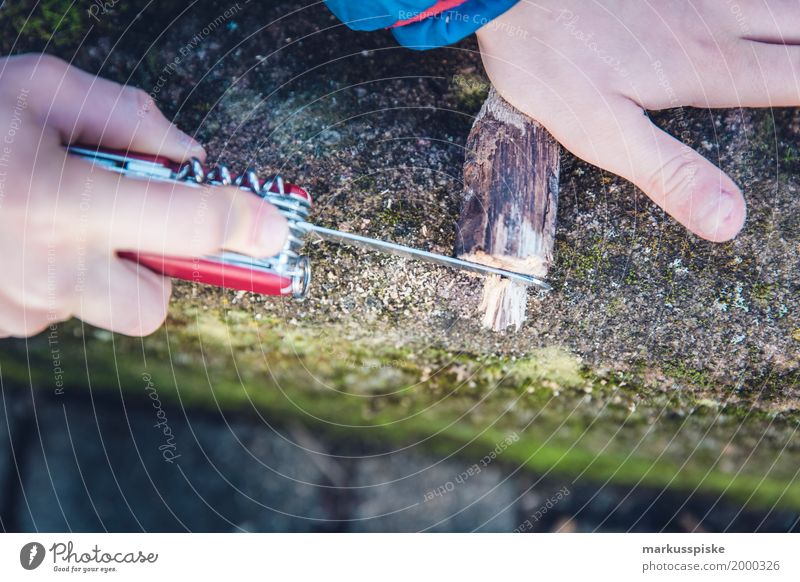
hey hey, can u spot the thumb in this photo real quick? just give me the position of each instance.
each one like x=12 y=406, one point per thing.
x=170 y=218
x=685 y=184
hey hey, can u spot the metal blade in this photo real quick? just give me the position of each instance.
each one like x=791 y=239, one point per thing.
x=403 y=251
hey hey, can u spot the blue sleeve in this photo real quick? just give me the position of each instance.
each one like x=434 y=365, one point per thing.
x=451 y=26
x=375 y=14
x=441 y=30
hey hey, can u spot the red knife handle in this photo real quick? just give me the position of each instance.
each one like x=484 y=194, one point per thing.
x=287 y=273
x=221 y=274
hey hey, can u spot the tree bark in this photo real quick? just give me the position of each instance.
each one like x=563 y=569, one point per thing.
x=508 y=215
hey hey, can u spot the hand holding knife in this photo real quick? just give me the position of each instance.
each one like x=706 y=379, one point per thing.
x=288 y=272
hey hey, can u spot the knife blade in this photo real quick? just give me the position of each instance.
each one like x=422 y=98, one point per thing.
x=338 y=236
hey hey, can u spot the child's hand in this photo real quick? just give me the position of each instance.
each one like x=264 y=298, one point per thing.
x=586 y=70
x=62 y=221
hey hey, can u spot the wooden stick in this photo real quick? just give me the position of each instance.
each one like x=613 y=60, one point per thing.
x=508 y=215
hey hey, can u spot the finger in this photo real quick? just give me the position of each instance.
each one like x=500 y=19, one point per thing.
x=123 y=297
x=33 y=300
x=769 y=75
x=20 y=321
x=775 y=21
x=682 y=182
x=89 y=109
x=172 y=218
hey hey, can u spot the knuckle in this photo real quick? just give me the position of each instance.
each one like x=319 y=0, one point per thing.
x=51 y=65
x=149 y=317
x=142 y=101
x=676 y=179
x=46 y=292
x=41 y=74
x=43 y=64
x=277 y=225
x=233 y=214
x=45 y=71
x=26 y=324
x=206 y=218
x=35 y=328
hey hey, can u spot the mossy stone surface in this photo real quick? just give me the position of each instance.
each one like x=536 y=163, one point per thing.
x=658 y=358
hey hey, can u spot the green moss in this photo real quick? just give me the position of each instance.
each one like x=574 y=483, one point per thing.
x=791 y=154
x=680 y=371
x=762 y=294
x=391 y=216
x=470 y=91
x=631 y=277
x=547 y=366
x=616 y=306
x=45 y=23
x=584 y=264
x=572 y=419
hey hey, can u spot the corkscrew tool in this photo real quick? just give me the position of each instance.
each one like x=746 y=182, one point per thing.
x=288 y=272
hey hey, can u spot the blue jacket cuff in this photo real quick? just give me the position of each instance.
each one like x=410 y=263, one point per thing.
x=451 y=26
x=443 y=29
x=374 y=14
